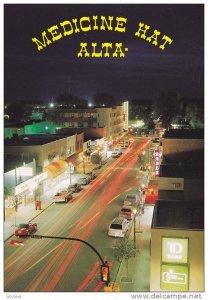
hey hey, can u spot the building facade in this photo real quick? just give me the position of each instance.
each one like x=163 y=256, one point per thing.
x=112 y=119
x=44 y=148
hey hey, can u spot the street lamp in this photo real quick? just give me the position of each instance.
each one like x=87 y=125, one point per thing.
x=135 y=212
x=83 y=163
x=70 y=165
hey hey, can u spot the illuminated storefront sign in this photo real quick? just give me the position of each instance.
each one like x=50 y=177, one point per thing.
x=174 y=250
x=25 y=171
x=174 y=277
x=30 y=184
x=126 y=115
x=156 y=161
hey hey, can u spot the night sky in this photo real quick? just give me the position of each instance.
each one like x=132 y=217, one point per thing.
x=33 y=75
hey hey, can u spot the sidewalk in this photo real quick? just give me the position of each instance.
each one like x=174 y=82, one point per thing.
x=139 y=266
x=28 y=213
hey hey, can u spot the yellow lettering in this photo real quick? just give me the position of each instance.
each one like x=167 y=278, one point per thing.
x=143 y=31
x=75 y=23
x=53 y=32
x=70 y=30
x=120 y=24
x=106 y=46
x=154 y=37
x=85 y=19
x=95 y=27
x=167 y=40
x=96 y=54
x=109 y=26
x=83 y=50
x=118 y=50
x=43 y=43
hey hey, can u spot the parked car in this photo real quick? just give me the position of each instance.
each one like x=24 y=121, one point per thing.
x=84 y=180
x=118 y=150
x=91 y=175
x=63 y=196
x=131 y=200
x=118 y=227
x=25 y=229
x=126 y=212
x=75 y=188
x=115 y=154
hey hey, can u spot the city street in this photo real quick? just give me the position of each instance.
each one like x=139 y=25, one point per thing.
x=54 y=265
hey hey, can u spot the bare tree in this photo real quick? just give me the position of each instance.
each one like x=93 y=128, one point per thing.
x=125 y=249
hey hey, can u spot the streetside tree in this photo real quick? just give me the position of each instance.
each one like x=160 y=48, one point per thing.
x=125 y=249
x=166 y=106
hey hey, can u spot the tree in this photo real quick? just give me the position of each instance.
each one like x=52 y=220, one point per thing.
x=195 y=115
x=166 y=106
x=19 y=111
x=104 y=98
x=70 y=100
x=125 y=249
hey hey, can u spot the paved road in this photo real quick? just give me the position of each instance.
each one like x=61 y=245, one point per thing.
x=53 y=265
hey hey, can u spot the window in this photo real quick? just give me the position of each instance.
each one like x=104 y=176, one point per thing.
x=176 y=185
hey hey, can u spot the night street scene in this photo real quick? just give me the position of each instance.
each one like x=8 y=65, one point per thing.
x=103 y=150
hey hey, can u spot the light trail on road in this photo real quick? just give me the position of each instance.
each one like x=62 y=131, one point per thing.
x=52 y=260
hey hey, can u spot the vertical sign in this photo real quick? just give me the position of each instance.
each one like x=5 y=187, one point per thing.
x=174 y=266
x=174 y=277
x=174 y=250
x=156 y=161
x=126 y=115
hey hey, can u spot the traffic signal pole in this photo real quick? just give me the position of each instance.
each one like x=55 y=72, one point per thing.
x=104 y=270
x=38 y=236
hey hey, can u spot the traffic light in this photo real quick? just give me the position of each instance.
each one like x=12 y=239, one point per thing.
x=15 y=243
x=105 y=273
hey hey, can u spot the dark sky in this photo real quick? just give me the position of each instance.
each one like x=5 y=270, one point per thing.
x=145 y=71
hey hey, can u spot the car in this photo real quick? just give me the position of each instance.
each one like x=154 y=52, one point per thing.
x=115 y=154
x=119 y=151
x=25 y=229
x=91 y=175
x=75 y=188
x=63 y=196
x=126 y=212
x=84 y=180
x=123 y=146
x=131 y=200
x=118 y=227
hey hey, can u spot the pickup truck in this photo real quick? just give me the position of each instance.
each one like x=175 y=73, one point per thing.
x=63 y=196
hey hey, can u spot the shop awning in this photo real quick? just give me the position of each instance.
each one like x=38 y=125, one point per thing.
x=56 y=168
x=75 y=159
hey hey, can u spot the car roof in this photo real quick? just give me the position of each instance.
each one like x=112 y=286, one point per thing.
x=118 y=220
x=126 y=207
x=131 y=195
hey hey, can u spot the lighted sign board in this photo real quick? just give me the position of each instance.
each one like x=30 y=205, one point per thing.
x=174 y=277
x=25 y=171
x=30 y=184
x=156 y=161
x=174 y=250
x=126 y=114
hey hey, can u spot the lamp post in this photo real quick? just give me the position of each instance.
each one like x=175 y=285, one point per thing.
x=70 y=165
x=83 y=163
x=135 y=212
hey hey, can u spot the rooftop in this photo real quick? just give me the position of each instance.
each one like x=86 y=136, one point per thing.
x=184 y=134
x=182 y=170
x=34 y=139
x=178 y=214
x=191 y=156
